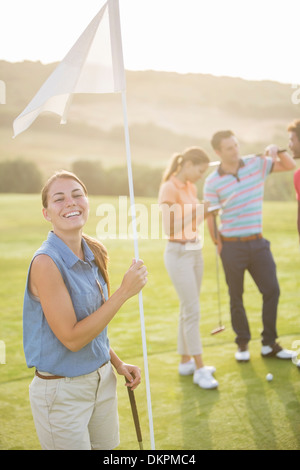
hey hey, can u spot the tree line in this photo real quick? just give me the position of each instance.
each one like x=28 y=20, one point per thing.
x=22 y=176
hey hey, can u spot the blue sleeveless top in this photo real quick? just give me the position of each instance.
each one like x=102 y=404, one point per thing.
x=41 y=347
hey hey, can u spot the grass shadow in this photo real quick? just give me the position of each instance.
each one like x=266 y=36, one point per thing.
x=287 y=390
x=195 y=409
x=258 y=409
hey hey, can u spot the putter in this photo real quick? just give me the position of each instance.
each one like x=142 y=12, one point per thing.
x=221 y=327
x=135 y=416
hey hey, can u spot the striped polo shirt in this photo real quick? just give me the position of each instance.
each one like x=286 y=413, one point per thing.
x=241 y=196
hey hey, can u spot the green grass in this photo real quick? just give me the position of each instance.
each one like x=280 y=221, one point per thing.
x=246 y=412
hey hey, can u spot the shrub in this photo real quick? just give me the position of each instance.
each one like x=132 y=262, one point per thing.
x=20 y=176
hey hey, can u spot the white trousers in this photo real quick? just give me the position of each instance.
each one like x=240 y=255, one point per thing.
x=185 y=268
x=78 y=413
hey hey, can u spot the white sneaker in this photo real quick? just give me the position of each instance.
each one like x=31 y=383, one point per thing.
x=210 y=369
x=188 y=368
x=277 y=351
x=286 y=354
x=242 y=355
x=204 y=379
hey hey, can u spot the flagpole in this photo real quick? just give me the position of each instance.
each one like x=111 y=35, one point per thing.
x=136 y=252
x=76 y=73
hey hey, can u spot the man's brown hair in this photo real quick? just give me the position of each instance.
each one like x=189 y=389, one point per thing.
x=295 y=127
x=218 y=137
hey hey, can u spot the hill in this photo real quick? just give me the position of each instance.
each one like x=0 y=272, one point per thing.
x=166 y=111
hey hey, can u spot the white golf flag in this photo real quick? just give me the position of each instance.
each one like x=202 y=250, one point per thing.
x=93 y=65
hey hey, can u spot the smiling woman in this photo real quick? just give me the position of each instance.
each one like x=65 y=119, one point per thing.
x=65 y=204
x=67 y=309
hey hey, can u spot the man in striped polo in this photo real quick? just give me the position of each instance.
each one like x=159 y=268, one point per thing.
x=238 y=185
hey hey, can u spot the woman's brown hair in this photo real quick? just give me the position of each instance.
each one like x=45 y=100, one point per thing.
x=98 y=249
x=193 y=154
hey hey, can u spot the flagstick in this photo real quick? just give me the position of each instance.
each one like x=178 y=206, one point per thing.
x=66 y=111
x=136 y=252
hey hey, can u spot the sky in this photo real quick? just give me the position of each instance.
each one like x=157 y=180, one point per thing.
x=252 y=39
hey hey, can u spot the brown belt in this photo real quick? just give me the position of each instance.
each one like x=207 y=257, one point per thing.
x=48 y=377
x=257 y=236
x=183 y=242
x=51 y=377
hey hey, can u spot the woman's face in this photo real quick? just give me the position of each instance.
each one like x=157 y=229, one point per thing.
x=195 y=172
x=68 y=206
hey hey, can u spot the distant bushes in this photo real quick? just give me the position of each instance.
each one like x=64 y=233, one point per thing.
x=114 y=181
x=280 y=187
x=146 y=180
x=20 y=176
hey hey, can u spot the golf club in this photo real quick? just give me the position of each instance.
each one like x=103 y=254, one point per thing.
x=135 y=416
x=221 y=327
x=217 y=163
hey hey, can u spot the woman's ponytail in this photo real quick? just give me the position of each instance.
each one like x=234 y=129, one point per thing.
x=173 y=167
x=194 y=154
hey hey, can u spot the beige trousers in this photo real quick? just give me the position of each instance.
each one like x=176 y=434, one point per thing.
x=78 y=413
x=185 y=268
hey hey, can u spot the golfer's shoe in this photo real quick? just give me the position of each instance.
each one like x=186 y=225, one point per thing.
x=242 y=354
x=188 y=368
x=204 y=379
x=277 y=351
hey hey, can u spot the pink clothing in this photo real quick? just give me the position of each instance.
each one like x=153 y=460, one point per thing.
x=183 y=196
x=297 y=183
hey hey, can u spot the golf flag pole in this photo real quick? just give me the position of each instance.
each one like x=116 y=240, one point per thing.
x=93 y=65
x=136 y=253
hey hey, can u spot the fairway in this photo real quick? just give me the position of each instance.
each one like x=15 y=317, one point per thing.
x=245 y=413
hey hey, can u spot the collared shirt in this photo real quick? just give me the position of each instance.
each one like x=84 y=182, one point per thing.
x=222 y=172
x=241 y=196
x=184 y=196
x=42 y=348
x=297 y=183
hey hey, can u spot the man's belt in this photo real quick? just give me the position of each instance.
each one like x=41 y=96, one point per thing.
x=257 y=236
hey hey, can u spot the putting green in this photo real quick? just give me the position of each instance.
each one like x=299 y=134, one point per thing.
x=245 y=412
